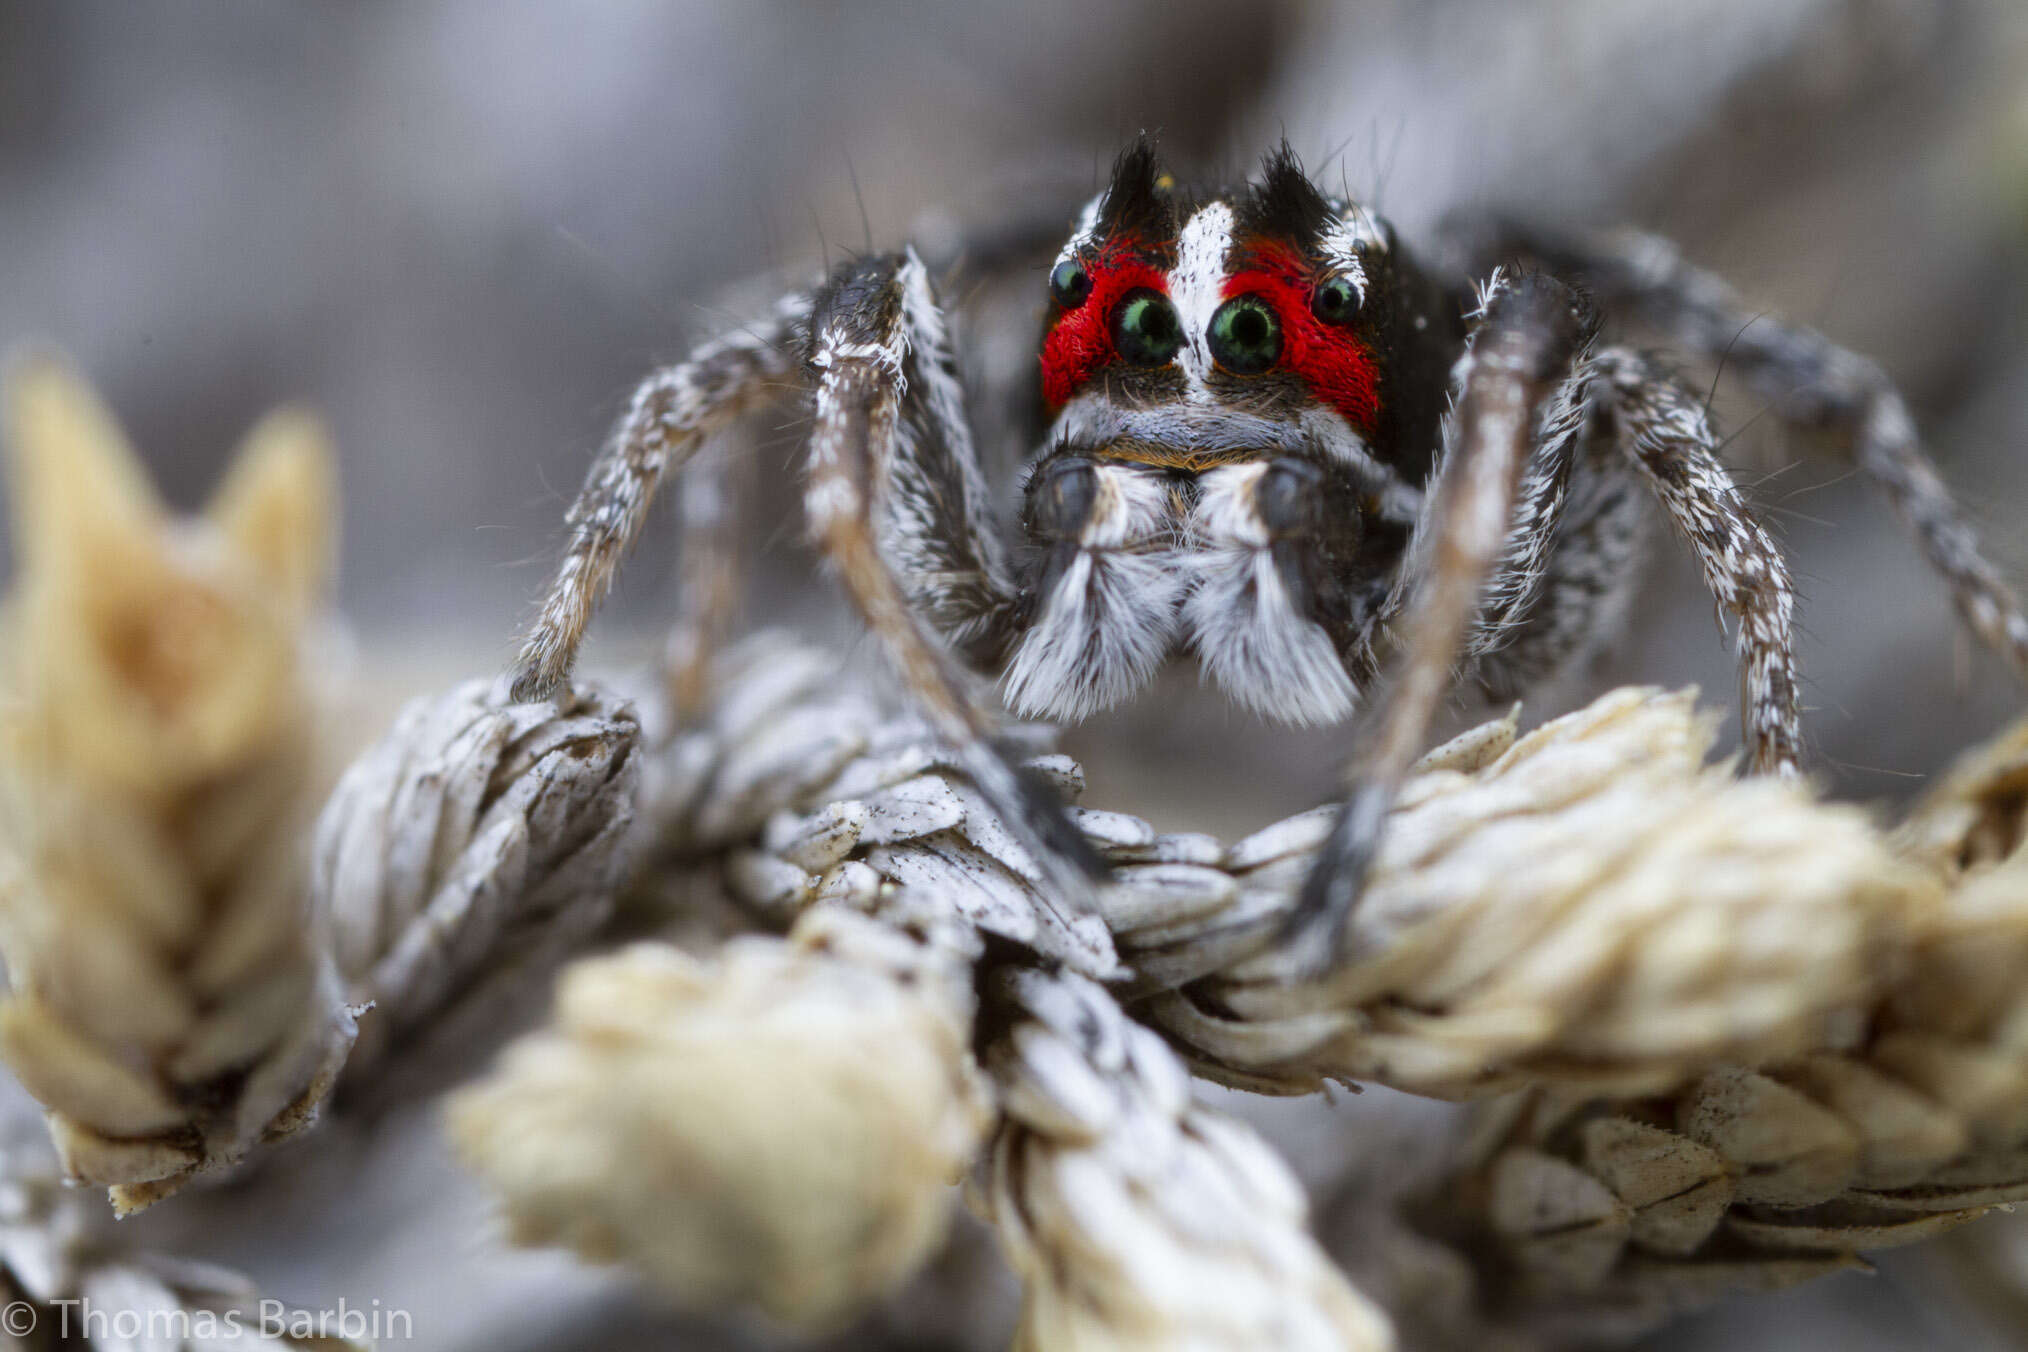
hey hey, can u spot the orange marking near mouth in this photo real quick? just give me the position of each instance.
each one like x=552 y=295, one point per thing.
x=1155 y=455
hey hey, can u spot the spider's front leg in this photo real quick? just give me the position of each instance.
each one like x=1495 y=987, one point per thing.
x=1530 y=332
x=894 y=500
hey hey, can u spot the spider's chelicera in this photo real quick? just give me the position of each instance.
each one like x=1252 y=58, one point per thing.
x=1342 y=480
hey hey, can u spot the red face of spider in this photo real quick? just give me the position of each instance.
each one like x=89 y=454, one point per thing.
x=1254 y=303
x=1233 y=466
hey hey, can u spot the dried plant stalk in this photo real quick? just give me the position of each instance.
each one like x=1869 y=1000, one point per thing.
x=171 y=1004
x=1591 y=903
x=1136 y=1217
x=1754 y=1177
x=1750 y=1038
x=462 y=858
x=781 y=1124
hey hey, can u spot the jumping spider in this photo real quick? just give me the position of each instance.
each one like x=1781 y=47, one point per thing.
x=1345 y=480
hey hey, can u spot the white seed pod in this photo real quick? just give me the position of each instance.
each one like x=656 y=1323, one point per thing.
x=1135 y=1217
x=780 y=1125
x=171 y=1001
x=465 y=855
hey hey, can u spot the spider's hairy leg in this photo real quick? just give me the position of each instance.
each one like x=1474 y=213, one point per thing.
x=867 y=451
x=930 y=491
x=1664 y=429
x=668 y=418
x=1530 y=559
x=1562 y=588
x=1810 y=382
x=707 y=573
x=1530 y=332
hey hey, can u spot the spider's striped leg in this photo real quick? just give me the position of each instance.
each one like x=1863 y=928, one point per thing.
x=1664 y=429
x=893 y=500
x=1530 y=332
x=670 y=415
x=1810 y=382
x=1641 y=426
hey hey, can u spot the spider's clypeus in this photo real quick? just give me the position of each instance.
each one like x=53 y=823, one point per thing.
x=1345 y=480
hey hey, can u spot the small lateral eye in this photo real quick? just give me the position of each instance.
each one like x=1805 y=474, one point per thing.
x=1069 y=284
x=1335 y=300
x=1145 y=329
x=1246 y=335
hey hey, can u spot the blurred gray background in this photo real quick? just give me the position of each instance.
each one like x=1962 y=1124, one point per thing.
x=462 y=229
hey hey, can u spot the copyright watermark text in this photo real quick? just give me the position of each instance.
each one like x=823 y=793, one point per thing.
x=79 y=1317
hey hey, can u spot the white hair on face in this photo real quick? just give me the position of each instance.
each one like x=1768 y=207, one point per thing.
x=1111 y=618
x=1197 y=288
x=1242 y=620
x=1351 y=233
x=1340 y=248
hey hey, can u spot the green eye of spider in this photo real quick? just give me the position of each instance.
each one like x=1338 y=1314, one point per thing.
x=1246 y=335
x=1334 y=301
x=1069 y=284
x=1145 y=330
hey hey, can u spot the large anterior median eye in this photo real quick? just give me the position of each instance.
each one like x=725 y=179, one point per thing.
x=1145 y=329
x=1246 y=336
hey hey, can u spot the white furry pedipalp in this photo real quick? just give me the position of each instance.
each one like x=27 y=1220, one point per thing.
x=1242 y=618
x=1112 y=616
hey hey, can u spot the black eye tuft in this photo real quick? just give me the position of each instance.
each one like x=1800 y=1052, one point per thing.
x=1246 y=335
x=1335 y=300
x=1145 y=328
x=1069 y=284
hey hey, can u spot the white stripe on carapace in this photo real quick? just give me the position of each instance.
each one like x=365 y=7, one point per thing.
x=1197 y=286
